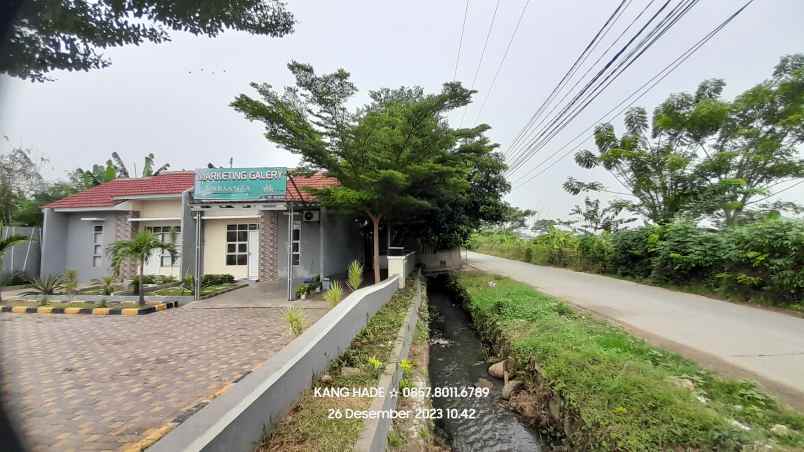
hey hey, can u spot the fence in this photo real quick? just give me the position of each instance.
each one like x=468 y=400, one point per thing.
x=22 y=258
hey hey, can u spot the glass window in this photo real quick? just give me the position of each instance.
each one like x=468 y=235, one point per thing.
x=167 y=234
x=237 y=243
x=97 y=245
x=295 y=244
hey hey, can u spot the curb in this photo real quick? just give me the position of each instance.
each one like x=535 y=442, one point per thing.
x=93 y=311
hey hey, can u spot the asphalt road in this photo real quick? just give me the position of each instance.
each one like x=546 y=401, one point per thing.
x=730 y=338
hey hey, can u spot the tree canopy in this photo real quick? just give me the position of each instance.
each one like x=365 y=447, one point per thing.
x=46 y=35
x=397 y=159
x=703 y=155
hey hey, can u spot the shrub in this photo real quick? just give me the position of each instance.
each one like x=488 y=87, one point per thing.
x=767 y=255
x=355 y=275
x=295 y=317
x=217 y=279
x=334 y=294
x=70 y=281
x=106 y=284
x=188 y=284
x=686 y=253
x=595 y=252
x=633 y=251
x=45 y=285
x=135 y=282
x=559 y=247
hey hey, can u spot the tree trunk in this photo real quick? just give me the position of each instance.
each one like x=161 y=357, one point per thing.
x=141 y=285
x=375 y=239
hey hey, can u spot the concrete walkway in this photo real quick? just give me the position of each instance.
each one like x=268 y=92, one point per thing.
x=734 y=339
x=258 y=295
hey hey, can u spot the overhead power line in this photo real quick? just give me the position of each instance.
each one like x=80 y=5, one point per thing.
x=482 y=55
x=536 y=126
x=589 y=48
x=603 y=79
x=778 y=192
x=460 y=41
x=502 y=61
x=639 y=93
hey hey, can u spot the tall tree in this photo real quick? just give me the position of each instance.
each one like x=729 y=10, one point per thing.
x=744 y=146
x=45 y=35
x=396 y=158
x=706 y=155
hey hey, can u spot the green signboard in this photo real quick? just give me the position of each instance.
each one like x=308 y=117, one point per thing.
x=240 y=184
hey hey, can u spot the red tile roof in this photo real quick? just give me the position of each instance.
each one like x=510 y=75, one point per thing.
x=297 y=192
x=173 y=182
x=167 y=183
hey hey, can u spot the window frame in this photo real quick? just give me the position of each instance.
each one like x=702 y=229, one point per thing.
x=237 y=245
x=97 y=245
x=163 y=233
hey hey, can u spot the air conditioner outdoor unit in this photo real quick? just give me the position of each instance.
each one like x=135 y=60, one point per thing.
x=311 y=215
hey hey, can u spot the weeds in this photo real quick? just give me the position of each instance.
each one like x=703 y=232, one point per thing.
x=334 y=294
x=295 y=317
x=355 y=275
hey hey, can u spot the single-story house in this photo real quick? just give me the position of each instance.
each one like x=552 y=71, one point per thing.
x=253 y=223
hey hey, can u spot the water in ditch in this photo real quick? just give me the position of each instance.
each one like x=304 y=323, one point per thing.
x=457 y=359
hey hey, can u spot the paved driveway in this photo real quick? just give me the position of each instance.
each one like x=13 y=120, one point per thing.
x=736 y=339
x=95 y=383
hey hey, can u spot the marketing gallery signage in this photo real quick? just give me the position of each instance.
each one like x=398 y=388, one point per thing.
x=240 y=184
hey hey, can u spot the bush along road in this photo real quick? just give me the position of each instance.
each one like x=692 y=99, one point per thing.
x=593 y=386
x=758 y=262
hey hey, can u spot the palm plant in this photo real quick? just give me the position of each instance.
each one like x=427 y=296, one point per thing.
x=106 y=284
x=45 y=285
x=5 y=245
x=70 y=281
x=138 y=249
x=355 y=275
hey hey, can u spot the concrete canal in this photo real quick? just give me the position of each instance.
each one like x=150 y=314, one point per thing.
x=458 y=360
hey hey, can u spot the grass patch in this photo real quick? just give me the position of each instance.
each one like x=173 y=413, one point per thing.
x=180 y=291
x=307 y=427
x=624 y=393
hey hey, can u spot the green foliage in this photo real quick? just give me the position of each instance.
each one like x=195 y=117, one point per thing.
x=633 y=252
x=686 y=253
x=767 y=256
x=354 y=275
x=374 y=365
x=295 y=317
x=703 y=155
x=138 y=249
x=760 y=261
x=188 y=284
x=106 y=284
x=69 y=281
x=212 y=279
x=72 y=35
x=621 y=391
x=595 y=252
x=556 y=247
x=45 y=285
x=396 y=158
x=334 y=294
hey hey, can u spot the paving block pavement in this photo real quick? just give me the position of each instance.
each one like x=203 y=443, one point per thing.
x=102 y=383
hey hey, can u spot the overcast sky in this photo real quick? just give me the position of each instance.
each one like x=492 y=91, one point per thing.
x=173 y=99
